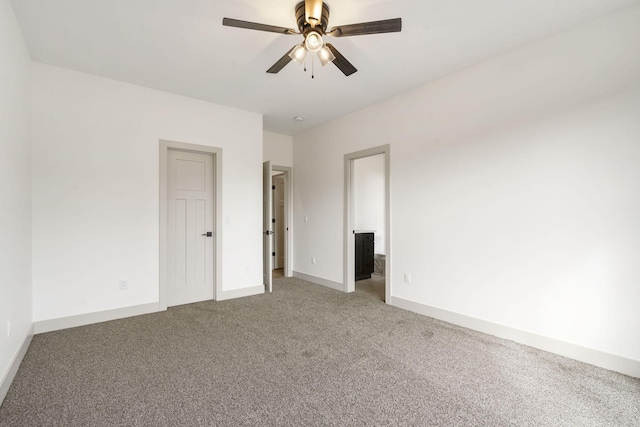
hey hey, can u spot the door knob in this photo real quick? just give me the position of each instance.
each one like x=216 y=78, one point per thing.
x=208 y=233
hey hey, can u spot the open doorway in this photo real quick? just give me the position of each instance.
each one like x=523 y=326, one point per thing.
x=369 y=224
x=367 y=220
x=277 y=187
x=282 y=214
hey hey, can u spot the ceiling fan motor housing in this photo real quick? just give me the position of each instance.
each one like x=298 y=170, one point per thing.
x=304 y=26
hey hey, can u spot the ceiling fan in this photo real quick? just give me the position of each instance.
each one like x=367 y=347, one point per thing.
x=312 y=17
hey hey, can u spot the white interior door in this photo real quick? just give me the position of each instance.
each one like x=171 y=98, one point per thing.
x=190 y=233
x=267 y=217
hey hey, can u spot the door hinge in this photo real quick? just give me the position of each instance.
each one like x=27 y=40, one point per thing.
x=273 y=253
x=273 y=187
x=273 y=220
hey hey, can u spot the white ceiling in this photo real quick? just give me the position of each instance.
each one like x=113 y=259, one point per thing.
x=180 y=46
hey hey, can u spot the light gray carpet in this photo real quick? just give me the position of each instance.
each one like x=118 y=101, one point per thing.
x=304 y=356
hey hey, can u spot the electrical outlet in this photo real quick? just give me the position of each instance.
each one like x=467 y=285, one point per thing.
x=8 y=328
x=123 y=284
x=407 y=278
x=313 y=260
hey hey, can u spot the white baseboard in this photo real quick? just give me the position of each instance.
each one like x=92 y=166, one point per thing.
x=11 y=372
x=319 y=281
x=50 y=325
x=43 y=326
x=592 y=356
x=239 y=293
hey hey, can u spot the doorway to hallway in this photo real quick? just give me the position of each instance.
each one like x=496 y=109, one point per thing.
x=369 y=223
x=367 y=219
x=279 y=221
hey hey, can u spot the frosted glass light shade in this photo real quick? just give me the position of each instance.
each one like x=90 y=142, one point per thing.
x=313 y=42
x=298 y=53
x=325 y=55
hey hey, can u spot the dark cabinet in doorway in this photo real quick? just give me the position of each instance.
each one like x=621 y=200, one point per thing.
x=364 y=255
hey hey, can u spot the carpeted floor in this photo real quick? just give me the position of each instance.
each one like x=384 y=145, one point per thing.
x=304 y=356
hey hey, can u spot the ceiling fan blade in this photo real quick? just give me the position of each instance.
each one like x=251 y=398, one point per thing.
x=341 y=62
x=275 y=68
x=374 y=27
x=229 y=22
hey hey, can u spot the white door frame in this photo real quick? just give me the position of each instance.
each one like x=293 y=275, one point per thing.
x=288 y=218
x=216 y=152
x=267 y=226
x=349 y=237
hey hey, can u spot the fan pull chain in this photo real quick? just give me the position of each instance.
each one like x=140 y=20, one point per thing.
x=312 y=75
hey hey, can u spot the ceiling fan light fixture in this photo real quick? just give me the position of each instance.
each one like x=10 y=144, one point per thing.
x=298 y=53
x=325 y=55
x=313 y=41
x=312 y=19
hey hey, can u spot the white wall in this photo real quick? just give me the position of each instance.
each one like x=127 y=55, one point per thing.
x=514 y=188
x=15 y=192
x=368 y=198
x=278 y=148
x=96 y=189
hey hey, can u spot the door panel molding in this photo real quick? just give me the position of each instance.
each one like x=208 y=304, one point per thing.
x=216 y=152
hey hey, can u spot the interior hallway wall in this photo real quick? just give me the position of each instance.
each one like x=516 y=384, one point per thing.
x=278 y=148
x=15 y=193
x=96 y=189
x=514 y=188
x=368 y=198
